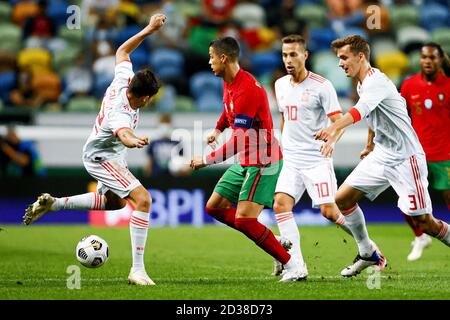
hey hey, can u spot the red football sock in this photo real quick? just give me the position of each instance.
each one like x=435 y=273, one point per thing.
x=263 y=237
x=224 y=215
x=413 y=226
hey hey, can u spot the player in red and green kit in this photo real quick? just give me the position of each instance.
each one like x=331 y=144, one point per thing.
x=251 y=182
x=428 y=102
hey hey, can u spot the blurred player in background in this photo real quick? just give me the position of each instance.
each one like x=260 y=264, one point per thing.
x=307 y=103
x=393 y=155
x=165 y=154
x=428 y=102
x=105 y=150
x=251 y=182
x=19 y=157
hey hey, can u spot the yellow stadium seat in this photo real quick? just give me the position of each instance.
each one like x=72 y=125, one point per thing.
x=393 y=64
x=34 y=58
x=48 y=85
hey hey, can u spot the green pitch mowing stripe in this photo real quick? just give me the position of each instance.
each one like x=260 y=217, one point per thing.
x=214 y=263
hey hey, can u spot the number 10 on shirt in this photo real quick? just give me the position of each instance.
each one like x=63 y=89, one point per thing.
x=292 y=113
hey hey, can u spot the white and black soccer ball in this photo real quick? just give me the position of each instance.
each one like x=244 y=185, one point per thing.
x=92 y=251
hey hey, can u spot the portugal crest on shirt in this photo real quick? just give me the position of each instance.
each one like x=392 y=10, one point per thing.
x=441 y=96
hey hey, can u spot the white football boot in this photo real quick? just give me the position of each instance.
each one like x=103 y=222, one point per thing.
x=277 y=265
x=40 y=207
x=419 y=244
x=377 y=260
x=140 y=278
x=294 y=271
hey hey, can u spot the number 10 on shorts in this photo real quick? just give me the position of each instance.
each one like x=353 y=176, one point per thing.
x=322 y=189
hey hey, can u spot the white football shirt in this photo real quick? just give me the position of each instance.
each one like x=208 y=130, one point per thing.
x=386 y=114
x=306 y=107
x=115 y=114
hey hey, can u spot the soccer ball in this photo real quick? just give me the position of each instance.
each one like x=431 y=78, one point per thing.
x=92 y=251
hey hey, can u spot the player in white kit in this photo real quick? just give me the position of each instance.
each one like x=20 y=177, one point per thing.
x=105 y=150
x=393 y=155
x=307 y=103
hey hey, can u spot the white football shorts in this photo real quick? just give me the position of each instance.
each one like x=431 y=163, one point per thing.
x=319 y=182
x=112 y=175
x=408 y=179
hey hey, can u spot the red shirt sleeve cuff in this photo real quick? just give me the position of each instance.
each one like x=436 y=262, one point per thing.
x=355 y=114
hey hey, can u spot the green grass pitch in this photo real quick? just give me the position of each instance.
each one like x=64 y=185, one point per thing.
x=214 y=263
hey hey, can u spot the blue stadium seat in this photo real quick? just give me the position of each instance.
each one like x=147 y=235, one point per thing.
x=205 y=83
x=320 y=39
x=209 y=103
x=101 y=83
x=265 y=62
x=166 y=102
x=7 y=83
x=353 y=30
x=167 y=63
x=126 y=33
x=433 y=16
x=139 y=57
x=57 y=11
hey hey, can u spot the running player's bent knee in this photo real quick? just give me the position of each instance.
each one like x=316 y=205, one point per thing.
x=280 y=207
x=143 y=202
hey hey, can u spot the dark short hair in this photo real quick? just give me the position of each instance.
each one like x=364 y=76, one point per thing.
x=294 y=38
x=357 y=44
x=436 y=46
x=144 y=83
x=227 y=46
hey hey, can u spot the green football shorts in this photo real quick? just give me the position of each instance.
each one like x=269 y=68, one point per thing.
x=439 y=175
x=252 y=183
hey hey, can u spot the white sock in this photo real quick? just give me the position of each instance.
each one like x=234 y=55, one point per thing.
x=444 y=233
x=342 y=222
x=355 y=222
x=86 y=201
x=138 y=233
x=289 y=229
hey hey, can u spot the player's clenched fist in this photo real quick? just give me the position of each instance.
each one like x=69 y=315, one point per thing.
x=156 y=22
x=211 y=139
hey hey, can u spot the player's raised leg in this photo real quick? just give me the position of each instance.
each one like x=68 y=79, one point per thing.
x=139 y=221
x=46 y=203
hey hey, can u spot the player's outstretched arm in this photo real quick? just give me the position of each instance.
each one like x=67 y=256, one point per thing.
x=129 y=140
x=329 y=134
x=124 y=51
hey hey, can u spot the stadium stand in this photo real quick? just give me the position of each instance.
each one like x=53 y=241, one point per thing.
x=180 y=54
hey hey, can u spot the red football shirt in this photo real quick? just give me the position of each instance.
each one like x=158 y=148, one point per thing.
x=429 y=107
x=246 y=110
